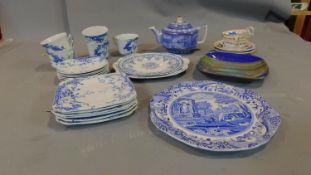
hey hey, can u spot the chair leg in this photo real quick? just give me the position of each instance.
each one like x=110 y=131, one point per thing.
x=300 y=20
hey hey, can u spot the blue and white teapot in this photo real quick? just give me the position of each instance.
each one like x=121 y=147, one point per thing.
x=179 y=37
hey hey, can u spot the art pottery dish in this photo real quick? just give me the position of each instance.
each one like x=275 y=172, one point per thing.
x=243 y=66
x=179 y=37
x=151 y=65
x=94 y=99
x=214 y=116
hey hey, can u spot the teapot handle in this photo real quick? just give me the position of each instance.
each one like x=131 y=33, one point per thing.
x=204 y=36
x=70 y=39
x=251 y=30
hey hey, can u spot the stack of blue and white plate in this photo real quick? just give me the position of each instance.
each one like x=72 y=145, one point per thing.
x=94 y=99
x=151 y=65
x=82 y=67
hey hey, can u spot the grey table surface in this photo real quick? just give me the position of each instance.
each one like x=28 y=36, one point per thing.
x=33 y=143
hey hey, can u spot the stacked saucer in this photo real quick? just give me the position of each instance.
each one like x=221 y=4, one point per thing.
x=242 y=66
x=82 y=67
x=151 y=65
x=94 y=99
x=236 y=40
x=249 y=47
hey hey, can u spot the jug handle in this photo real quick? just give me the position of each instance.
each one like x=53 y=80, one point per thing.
x=251 y=30
x=114 y=39
x=204 y=36
x=70 y=39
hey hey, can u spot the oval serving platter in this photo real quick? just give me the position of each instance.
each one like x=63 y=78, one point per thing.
x=214 y=116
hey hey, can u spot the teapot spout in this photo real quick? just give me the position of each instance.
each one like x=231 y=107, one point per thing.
x=157 y=33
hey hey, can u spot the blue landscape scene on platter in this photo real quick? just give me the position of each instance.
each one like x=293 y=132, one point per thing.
x=211 y=114
x=214 y=116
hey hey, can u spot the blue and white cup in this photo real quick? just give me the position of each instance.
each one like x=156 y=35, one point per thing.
x=126 y=43
x=97 y=40
x=59 y=47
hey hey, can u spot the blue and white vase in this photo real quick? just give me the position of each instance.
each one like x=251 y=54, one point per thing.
x=97 y=40
x=59 y=47
x=179 y=37
x=126 y=43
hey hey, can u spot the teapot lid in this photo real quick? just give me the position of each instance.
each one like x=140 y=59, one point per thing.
x=180 y=26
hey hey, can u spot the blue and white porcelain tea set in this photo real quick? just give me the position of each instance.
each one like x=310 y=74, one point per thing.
x=206 y=115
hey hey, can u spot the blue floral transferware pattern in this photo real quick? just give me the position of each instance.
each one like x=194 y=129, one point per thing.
x=98 y=45
x=81 y=65
x=131 y=45
x=92 y=93
x=58 y=54
x=149 y=64
x=214 y=116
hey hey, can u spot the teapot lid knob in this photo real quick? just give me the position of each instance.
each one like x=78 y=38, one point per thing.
x=180 y=19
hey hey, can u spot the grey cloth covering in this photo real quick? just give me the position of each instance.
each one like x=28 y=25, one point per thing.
x=33 y=143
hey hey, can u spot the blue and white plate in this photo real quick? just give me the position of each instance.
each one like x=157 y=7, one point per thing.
x=92 y=93
x=94 y=114
x=214 y=116
x=98 y=120
x=149 y=64
x=81 y=65
x=103 y=70
x=186 y=62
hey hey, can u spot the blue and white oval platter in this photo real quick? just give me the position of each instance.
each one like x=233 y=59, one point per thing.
x=214 y=116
